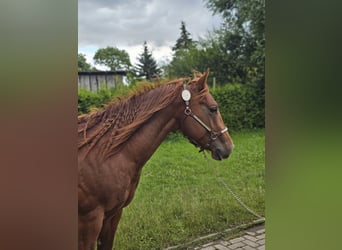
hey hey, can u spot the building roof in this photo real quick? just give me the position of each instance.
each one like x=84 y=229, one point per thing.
x=117 y=72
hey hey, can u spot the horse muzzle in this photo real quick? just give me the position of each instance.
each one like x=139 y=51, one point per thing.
x=220 y=153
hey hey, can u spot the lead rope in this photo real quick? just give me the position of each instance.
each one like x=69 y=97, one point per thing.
x=231 y=191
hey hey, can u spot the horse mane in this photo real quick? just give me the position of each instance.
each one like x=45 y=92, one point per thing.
x=122 y=117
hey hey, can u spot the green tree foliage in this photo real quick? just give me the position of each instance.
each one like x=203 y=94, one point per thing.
x=185 y=58
x=185 y=61
x=82 y=63
x=241 y=40
x=113 y=58
x=184 y=42
x=146 y=66
x=235 y=52
x=240 y=44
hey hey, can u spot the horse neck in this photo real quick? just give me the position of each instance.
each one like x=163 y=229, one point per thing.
x=147 y=139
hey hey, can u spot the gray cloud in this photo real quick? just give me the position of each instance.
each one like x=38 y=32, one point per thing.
x=126 y=23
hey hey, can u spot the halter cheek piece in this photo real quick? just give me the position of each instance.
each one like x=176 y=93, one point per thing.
x=186 y=96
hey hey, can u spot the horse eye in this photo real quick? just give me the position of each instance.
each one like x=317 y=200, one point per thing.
x=213 y=109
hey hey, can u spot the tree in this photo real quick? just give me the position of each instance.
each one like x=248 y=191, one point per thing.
x=241 y=42
x=242 y=38
x=146 y=66
x=82 y=63
x=185 y=61
x=186 y=57
x=113 y=58
x=184 y=42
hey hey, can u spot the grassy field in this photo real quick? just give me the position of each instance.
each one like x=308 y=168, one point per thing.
x=179 y=197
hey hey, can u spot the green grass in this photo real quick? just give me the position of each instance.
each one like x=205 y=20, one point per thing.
x=179 y=197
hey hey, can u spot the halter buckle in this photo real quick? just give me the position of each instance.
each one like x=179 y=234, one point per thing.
x=213 y=136
x=187 y=111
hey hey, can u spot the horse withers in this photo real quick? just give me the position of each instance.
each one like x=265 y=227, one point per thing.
x=115 y=143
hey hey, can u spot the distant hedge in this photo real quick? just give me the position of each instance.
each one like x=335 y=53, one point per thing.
x=241 y=106
x=87 y=100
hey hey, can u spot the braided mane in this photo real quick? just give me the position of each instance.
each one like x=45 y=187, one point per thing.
x=122 y=118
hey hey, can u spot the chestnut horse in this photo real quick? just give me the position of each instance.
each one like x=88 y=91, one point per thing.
x=115 y=143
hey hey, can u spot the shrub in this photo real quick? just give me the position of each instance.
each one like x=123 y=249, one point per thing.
x=241 y=106
x=88 y=100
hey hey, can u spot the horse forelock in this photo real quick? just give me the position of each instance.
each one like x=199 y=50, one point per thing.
x=121 y=119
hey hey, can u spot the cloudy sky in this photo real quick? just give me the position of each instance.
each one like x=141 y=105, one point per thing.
x=126 y=24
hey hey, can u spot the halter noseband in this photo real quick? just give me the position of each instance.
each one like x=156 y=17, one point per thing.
x=186 y=96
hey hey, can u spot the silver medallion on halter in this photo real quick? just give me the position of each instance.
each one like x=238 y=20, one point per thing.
x=186 y=95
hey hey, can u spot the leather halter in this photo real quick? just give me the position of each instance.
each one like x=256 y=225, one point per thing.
x=186 y=96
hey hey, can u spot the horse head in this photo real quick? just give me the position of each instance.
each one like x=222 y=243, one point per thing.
x=201 y=121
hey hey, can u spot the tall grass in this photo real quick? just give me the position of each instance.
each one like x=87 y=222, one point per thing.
x=179 y=197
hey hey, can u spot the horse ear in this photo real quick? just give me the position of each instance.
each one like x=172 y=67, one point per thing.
x=202 y=80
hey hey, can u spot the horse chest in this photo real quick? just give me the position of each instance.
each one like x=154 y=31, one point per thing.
x=118 y=192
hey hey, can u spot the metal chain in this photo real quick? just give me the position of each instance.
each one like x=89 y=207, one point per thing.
x=231 y=191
